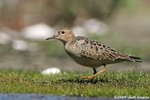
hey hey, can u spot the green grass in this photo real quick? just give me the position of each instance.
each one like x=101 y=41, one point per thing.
x=109 y=84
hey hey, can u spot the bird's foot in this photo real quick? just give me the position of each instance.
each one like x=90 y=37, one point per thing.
x=95 y=75
x=87 y=77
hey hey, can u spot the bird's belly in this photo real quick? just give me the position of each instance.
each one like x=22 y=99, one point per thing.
x=88 y=62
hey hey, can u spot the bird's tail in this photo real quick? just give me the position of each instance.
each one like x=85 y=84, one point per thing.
x=130 y=58
x=135 y=59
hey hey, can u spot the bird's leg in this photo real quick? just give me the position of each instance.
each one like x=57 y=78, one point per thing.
x=94 y=71
x=95 y=75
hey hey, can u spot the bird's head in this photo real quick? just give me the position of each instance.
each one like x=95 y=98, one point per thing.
x=64 y=35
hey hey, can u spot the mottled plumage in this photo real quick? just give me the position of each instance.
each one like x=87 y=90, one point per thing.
x=90 y=53
x=93 y=53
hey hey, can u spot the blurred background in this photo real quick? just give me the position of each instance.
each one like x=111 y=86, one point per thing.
x=25 y=24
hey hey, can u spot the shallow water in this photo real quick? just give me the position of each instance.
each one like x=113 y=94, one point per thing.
x=11 y=96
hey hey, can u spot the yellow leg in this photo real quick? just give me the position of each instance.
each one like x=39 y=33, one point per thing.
x=95 y=75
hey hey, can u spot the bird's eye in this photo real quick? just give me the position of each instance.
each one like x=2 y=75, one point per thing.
x=63 y=32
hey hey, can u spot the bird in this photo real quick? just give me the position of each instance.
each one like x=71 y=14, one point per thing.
x=90 y=53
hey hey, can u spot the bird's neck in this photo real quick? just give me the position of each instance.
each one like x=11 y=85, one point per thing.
x=69 y=40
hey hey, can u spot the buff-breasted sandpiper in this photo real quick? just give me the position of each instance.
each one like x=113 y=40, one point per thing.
x=90 y=53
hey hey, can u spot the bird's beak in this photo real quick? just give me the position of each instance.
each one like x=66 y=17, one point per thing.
x=52 y=37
